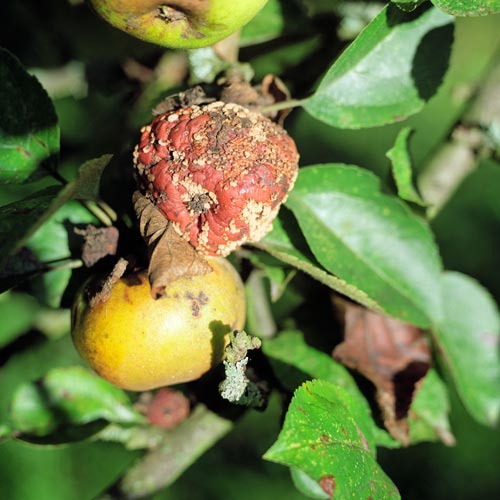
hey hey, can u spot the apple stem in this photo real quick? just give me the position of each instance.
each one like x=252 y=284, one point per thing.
x=102 y=211
x=65 y=263
x=99 y=209
x=278 y=106
x=228 y=48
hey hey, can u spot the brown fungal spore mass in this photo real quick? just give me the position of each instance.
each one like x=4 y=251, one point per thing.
x=218 y=172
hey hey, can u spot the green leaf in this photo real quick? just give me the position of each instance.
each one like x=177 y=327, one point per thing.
x=260 y=320
x=266 y=25
x=371 y=241
x=5 y=433
x=354 y=17
x=285 y=242
x=29 y=134
x=428 y=417
x=320 y=7
x=468 y=339
x=83 y=397
x=277 y=273
x=307 y=485
x=468 y=7
x=70 y=395
x=407 y=5
x=289 y=348
x=181 y=447
x=31 y=364
x=467 y=227
x=52 y=242
x=30 y=412
x=18 y=311
x=52 y=322
x=18 y=268
x=295 y=362
x=273 y=292
x=73 y=472
x=402 y=169
x=324 y=436
x=388 y=73
x=85 y=186
x=286 y=57
x=20 y=219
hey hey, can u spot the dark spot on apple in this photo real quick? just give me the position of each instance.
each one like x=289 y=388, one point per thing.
x=199 y=203
x=195 y=309
x=197 y=301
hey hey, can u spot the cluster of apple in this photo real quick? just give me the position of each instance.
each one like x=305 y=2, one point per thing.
x=217 y=173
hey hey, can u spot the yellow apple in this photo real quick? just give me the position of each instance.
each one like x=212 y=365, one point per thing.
x=138 y=343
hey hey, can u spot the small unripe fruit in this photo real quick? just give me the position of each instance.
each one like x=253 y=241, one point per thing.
x=218 y=172
x=138 y=343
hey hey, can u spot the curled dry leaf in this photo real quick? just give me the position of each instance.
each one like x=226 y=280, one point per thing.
x=98 y=243
x=102 y=289
x=239 y=91
x=236 y=89
x=191 y=97
x=393 y=355
x=275 y=89
x=170 y=257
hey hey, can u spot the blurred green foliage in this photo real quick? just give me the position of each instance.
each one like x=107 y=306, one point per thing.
x=102 y=83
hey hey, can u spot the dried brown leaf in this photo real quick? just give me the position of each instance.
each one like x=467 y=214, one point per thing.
x=235 y=88
x=240 y=92
x=275 y=89
x=192 y=96
x=99 y=243
x=100 y=291
x=170 y=257
x=393 y=355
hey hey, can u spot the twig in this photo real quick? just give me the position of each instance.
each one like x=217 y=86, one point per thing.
x=181 y=447
x=64 y=264
x=97 y=211
x=278 y=106
x=469 y=143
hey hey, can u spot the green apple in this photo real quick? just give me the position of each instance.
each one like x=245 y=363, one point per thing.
x=186 y=24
